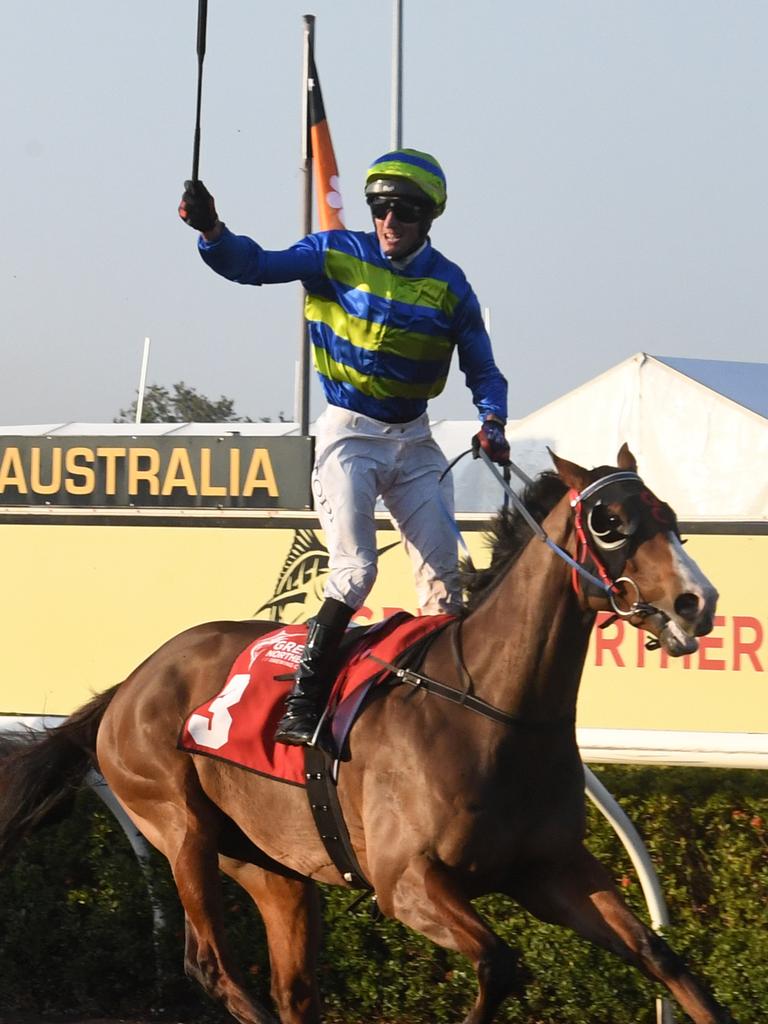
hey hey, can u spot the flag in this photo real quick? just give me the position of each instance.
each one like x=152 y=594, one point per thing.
x=325 y=171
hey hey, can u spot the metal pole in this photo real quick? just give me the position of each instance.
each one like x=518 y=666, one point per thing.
x=638 y=854
x=142 y=381
x=397 y=75
x=301 y=403
x=139 y=845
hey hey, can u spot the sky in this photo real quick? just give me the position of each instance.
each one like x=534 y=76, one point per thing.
x=606 y=164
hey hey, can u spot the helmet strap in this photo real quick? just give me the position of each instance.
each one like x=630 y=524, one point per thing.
x=424 y=228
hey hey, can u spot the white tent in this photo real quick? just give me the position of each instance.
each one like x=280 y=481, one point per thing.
x=698 y=428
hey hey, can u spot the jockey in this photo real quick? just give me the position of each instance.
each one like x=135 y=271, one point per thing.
x=385 y=311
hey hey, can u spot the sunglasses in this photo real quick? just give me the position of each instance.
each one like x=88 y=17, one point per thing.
x=404 y=210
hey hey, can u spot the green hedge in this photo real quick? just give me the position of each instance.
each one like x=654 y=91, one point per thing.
x=76 y=926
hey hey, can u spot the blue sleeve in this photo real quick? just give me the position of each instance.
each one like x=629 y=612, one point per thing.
x=484 y=379
x=240 y=259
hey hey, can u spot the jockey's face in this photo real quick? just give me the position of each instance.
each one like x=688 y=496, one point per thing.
x=398 y=238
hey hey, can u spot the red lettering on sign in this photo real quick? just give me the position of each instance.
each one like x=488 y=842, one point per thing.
x=365 y=614
x=708 y=643
x=686 y=659
x=738 y=644
x=608 y=640
x=389 y=610
x=642 y=639
x=741 y=646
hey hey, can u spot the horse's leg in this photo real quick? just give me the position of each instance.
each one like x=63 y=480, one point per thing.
x=206 y=958
x=290 y=909
x=580 y=894
x=178 y=819
x=428 y=899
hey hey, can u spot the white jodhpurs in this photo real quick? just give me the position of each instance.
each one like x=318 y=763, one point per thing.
x=358 y=460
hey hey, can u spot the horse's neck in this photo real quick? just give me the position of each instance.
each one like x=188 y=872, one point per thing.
x=524 y=646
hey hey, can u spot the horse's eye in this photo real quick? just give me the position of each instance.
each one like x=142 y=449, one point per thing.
x=607 y=527
x=604 y=522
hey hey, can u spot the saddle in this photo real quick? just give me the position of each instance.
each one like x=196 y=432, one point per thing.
x=238 y=724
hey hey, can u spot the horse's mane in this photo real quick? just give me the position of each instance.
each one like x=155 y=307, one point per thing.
x=509 y=534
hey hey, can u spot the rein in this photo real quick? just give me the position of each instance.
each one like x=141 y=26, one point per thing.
x=467 y=700
x=602 y=584
x=602 y=581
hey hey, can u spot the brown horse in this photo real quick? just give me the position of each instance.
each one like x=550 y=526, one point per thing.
x=442 y=805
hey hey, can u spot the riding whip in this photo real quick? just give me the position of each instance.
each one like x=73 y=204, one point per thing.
x=202 y=20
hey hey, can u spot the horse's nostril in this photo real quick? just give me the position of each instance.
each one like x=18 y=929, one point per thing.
x=687 y=606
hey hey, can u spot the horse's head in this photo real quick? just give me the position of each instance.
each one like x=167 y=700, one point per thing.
x=630 y=540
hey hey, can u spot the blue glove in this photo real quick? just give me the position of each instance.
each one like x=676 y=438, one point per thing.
x=490 y=437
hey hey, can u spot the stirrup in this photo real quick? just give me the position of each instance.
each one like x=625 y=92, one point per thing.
x=300 y=739
x=313 y=742
x=288 y=738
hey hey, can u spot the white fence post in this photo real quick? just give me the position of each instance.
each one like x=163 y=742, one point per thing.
x=635 y=847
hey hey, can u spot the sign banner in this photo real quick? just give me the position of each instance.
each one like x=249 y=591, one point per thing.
x=723 y=687
x=227 y=472
x=82 y=605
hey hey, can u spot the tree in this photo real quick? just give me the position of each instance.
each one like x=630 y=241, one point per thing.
x=182 y=404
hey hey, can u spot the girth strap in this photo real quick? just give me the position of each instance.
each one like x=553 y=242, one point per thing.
x=329 y=819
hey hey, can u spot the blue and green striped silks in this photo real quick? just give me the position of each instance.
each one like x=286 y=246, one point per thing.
x=384 y=334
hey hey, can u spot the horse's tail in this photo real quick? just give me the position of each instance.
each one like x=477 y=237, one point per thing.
x=41 y=771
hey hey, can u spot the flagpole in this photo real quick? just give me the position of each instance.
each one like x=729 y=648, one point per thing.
x=397 y=75
x=301 y=402
x=142 y=381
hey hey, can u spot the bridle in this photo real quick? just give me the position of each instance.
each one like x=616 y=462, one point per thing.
x=595 y=545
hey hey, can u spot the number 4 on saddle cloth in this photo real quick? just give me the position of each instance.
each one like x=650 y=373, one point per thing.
x=238 y=724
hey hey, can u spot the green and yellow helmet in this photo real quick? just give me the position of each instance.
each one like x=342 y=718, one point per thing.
x=408 y=172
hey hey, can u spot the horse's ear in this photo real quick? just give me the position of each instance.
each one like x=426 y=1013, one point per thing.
x=625 y=459
x=573 y=476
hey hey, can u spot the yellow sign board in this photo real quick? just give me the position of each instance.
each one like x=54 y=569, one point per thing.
x=82 y=605
x=721 y=688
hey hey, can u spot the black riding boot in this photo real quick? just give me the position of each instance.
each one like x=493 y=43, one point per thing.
x=306 y=701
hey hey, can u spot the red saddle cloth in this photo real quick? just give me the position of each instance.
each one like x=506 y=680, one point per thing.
x=239 y=723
